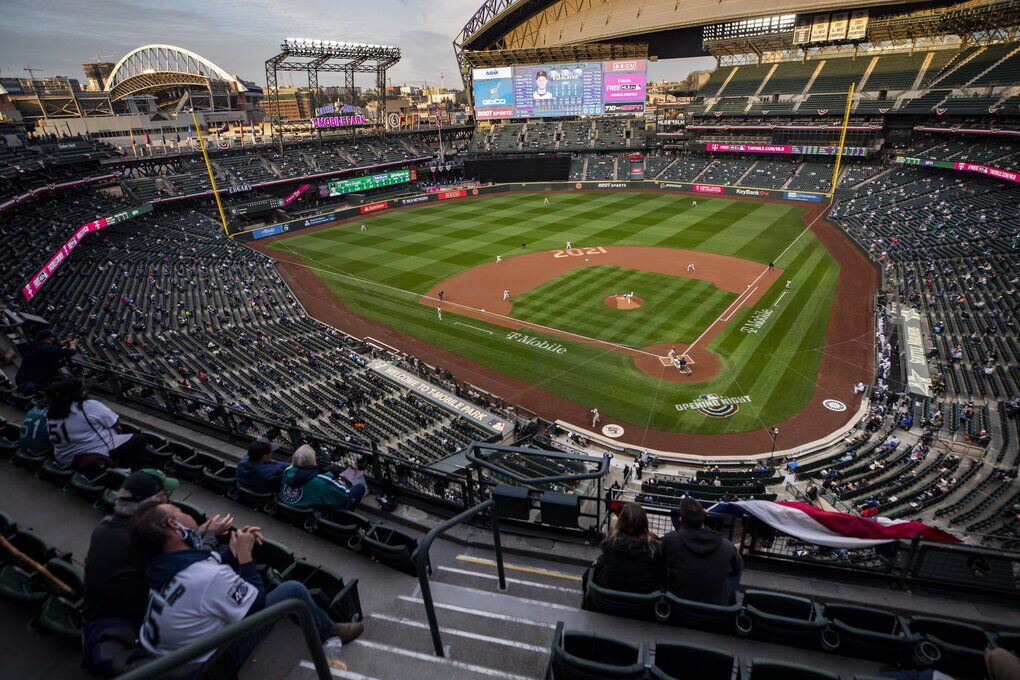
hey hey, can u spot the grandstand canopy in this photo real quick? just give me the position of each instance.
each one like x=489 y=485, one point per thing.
x=517 y=24
x=154 y=68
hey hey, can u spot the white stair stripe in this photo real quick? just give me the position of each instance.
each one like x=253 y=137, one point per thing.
x=461 y=633
x=495 y=577
x=337 y=673
x=442 y=660
x=478 y=612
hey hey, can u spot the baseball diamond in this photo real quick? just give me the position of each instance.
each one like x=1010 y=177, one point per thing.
x=388 y=278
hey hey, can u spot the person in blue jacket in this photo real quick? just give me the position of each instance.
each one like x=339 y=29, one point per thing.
x=257 y=471
x=306 y=485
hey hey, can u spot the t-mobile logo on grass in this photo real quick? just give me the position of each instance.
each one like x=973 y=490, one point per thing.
x=538 y=343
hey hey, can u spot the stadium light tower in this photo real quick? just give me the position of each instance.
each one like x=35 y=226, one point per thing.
x=313 y=56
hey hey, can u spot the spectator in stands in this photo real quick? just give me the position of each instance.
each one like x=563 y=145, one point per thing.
x=195 y=592
x=116 y=590
x=35 y=438
x=84 y=431
x=41 y=361
x=257 y=471
x=306 y=485
x=631 y=558
x=700 y=564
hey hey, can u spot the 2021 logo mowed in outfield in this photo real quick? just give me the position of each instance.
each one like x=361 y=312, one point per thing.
x=537 y=343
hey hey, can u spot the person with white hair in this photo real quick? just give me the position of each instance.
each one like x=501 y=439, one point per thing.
x=306 y=485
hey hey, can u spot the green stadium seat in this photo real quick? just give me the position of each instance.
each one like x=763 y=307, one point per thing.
x=52 y=472
x=388 y=546
x=698 y=615
x=776 y=617
x=61 y=612
x=868 y=633
x=255 y=500
x=341 y=527
x=577 y=655
x=272 y=559
x=675 y=661
x=299 y=517
x=220 y=479
x=767 y=669
x=619 y=603
x=961 y=645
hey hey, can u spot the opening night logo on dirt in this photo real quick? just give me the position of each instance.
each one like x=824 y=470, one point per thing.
x=714 y=406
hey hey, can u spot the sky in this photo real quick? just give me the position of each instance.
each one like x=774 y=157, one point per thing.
x=57 y=36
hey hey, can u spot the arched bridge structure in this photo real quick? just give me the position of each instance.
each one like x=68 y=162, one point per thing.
x=153 y=68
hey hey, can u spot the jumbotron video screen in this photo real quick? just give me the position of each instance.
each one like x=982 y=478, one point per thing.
x=553 y=90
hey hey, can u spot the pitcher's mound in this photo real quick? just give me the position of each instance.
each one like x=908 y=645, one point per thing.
x=620 y=302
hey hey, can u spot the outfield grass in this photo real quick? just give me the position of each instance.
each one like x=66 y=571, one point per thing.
x=382 y=272
x=675 y=309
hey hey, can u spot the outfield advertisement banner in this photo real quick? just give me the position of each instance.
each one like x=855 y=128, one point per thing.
x=442 y=398
x=266 y=232
x=647 y=185
x=374 y=207
x=787 y=149
x=802 y=196
x=30 y=289
x=998 y=173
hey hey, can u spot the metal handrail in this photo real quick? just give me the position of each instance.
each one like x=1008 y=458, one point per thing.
x=420 y=559
x=268 y=616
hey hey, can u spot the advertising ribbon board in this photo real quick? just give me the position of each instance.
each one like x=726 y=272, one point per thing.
x=30 y=289
x=442 y=398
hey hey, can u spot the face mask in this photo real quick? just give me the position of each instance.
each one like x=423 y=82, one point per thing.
x=192 y=538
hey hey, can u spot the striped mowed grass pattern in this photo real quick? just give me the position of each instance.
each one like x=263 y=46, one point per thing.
x=675 y=309
x=381 y=273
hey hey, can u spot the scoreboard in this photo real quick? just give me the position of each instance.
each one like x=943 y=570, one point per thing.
x=586 y=88
x=359 y=184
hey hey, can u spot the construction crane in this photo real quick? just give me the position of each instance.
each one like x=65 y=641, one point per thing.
x=31 y=70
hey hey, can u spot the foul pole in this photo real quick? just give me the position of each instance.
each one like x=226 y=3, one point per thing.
x=842 y=139
x=212 y=178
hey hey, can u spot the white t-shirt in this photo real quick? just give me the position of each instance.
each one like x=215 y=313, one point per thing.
x=198 y=601
x=88 y=431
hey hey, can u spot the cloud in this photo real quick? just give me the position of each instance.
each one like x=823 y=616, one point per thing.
x=58 y=36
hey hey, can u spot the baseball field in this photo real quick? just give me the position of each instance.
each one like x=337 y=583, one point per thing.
x=701 y=285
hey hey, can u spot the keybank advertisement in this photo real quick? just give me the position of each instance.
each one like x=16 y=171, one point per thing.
x=494 y=93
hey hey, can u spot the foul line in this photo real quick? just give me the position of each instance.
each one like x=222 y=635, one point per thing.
x=458 y=323
x=690 y=348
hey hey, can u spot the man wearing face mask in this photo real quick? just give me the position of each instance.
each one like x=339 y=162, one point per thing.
x=116 y=590
x=195 y=592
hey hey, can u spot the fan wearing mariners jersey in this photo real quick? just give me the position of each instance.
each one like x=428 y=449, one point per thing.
x=195 y=592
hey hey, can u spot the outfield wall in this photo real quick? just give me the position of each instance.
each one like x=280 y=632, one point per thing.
x=695 y=188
